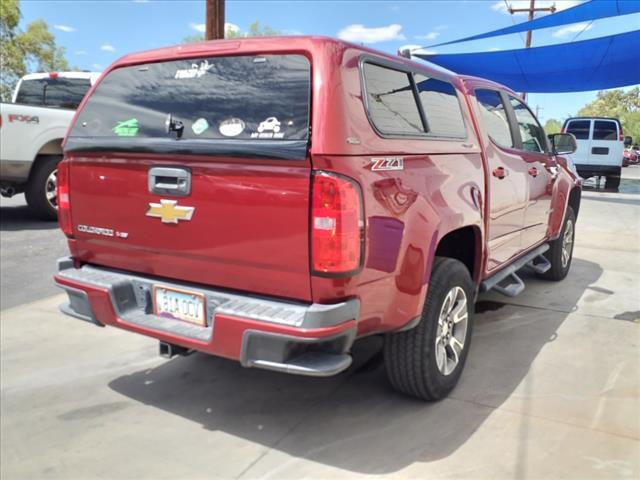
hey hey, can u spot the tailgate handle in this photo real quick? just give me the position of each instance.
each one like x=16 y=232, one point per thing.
x=170 y=181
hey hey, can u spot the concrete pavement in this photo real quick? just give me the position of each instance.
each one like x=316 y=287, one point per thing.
x=28 y=251
x=551 y=389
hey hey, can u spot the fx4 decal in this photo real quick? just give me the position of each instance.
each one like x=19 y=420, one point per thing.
x=23 y=118
x=387 y=163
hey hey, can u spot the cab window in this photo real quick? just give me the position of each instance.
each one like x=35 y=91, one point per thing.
x=390 y=100
x=531 y=133
x=441 y=107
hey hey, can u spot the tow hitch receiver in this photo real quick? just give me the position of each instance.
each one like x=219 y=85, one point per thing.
x=169 y=350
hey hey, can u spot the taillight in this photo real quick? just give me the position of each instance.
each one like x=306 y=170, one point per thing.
x=336 y=225
x=64 y=206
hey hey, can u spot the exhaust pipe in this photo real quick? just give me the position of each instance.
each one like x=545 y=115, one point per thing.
x=7 y=192
x=169 y=350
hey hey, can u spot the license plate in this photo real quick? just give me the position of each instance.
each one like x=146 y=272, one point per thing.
x=179 y=305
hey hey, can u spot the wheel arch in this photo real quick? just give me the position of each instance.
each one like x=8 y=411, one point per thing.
x=465 y=245
x=50 y=148
x=574 y=200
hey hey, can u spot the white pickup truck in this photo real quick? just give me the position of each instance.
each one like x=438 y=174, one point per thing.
x=31 y=131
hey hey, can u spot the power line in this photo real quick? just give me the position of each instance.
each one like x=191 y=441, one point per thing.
x=586 y=27
x=508 y=7
x=531 y=11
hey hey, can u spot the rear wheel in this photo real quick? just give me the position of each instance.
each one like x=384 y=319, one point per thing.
x=41 y=190
x=426 y=361
x=560 y=251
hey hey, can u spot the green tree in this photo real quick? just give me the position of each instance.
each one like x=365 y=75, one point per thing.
x=618 y=104
x=552 y=126
x=33 y=49
x=255 y=30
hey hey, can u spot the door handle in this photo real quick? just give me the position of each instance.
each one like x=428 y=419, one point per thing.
x=533 y=171
x=500 y=172
x=170 y=181
x=554 y=171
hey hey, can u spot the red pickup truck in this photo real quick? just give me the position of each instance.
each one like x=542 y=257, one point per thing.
x=273 y=200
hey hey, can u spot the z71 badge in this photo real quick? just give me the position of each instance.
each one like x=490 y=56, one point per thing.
x=387 y=163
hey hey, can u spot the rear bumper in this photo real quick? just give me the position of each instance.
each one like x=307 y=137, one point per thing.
x=306 y=339
x=586 y=170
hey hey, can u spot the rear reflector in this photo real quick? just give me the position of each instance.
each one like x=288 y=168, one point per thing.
x=64 y=206
x=336 y=225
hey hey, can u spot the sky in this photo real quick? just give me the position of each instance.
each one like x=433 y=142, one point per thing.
x=95 y=33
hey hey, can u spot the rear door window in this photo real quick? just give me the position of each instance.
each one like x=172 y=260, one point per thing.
x=250 y=97
x=65 y=92
x=494 y=117
x=56 y=92
x=605 y=130
x=579 y=128
x=391 y=102
x=441 y=107
x=31 y=92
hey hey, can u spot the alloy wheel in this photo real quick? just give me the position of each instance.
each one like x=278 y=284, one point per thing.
x=50 y=189
x=452 y=330
x=567 y=244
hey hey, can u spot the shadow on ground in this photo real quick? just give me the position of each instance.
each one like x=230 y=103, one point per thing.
x=627 y=185
x=355 y=421
x=20 y=218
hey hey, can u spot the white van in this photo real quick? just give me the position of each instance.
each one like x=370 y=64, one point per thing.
x=600 y=145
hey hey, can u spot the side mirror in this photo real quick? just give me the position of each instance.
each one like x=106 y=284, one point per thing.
x=628 y=141
x=563 y=143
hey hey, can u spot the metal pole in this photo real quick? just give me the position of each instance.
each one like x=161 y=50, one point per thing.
x=531 y=10
x=214 y=20
x=532 y=7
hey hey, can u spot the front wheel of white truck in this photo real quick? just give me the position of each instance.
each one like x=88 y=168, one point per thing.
x=426 y=361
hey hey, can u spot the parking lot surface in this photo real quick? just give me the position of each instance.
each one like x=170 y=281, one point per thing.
x=551 y=388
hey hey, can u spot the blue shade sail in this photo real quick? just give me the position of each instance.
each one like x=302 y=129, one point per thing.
x=596 y=64
x=584 y=12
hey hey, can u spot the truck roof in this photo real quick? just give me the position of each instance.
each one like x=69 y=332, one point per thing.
x=588 y=117
x=320 y=45
x=37 y=76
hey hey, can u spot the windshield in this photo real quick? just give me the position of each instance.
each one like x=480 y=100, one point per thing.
x=262 y=98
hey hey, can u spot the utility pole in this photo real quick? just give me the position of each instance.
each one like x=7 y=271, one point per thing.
x=531 y=10
x=214 y=20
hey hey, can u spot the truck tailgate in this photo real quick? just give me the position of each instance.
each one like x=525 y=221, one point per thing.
x=248 y=230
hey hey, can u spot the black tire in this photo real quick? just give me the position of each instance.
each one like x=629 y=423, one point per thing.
x=39 y=185
x=410 y=356
x=558 y=268
x=612 y=182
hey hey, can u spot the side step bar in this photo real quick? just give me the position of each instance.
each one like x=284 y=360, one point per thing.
x=540 y=264
x=534 y=259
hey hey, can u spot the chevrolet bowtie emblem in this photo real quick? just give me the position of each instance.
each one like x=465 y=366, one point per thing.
x=169 y=212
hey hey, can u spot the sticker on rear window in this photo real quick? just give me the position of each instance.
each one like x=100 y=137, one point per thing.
x=269 y=128
x=231 y=127
x=196 y=70
x=126 y=128
x=199 y=126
